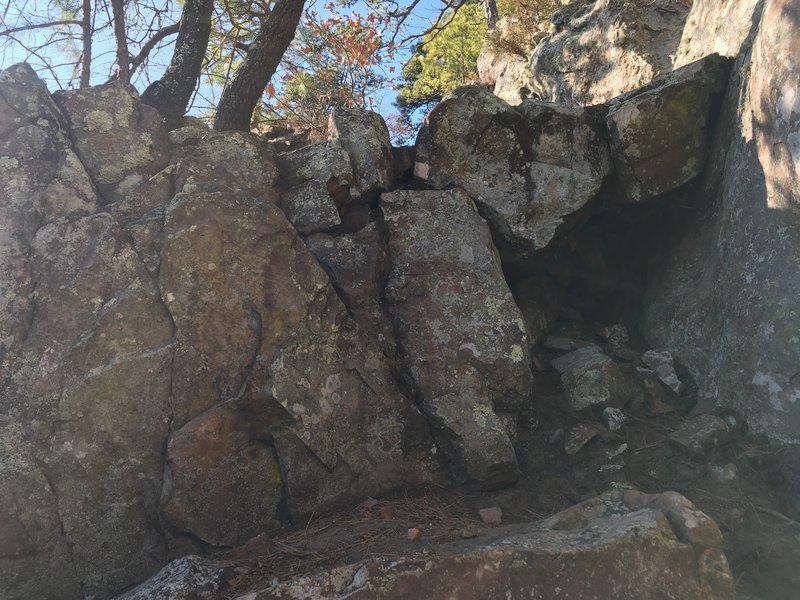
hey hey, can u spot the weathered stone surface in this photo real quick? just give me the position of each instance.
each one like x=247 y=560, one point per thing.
x=701 y=435
x=557 y=343
x=84 y=387
x=365 y=138
x=690 y=524
x=526 y=169
x=358 y=265
x=404 y=158
x=120 y=141
x=598 y=50
x=42 y=180
x=716 y=27
x=660 y=133
x=590 y=377
x=598 y=549
x=90 y=383
x=317 y=180
x=35 y=560
x=460 y=333
x=503 y=62
x=285 y=338
x=187 y=578
x=724 y=298
x=192 y=296
x=226 y=162
x=209 y=458
x=578 y=436
x=141 y=213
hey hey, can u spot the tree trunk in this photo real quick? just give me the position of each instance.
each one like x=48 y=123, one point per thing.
x=243 y=92
x=121 y=36
x=86 y=34
x=490 y=8
x=171 y=94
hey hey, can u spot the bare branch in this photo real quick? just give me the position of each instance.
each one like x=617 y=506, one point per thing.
x=15 y=30
x=158 y=36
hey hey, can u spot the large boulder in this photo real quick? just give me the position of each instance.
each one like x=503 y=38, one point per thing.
x=660 y=132
x=597 y=50
x=120 y=141
x=365 y=138
x=527 y=169
x=461 y=335
x=316 y=182
x=724 y=296
x=649 y=547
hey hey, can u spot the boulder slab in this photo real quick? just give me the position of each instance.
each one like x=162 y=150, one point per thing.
x=660 y=132
x=597 y=549
x=460 y=333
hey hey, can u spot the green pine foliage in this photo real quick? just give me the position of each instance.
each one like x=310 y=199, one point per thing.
x=445 y=59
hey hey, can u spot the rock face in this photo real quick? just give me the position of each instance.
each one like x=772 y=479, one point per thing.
x=661 y=547
x=154 y=350
x=85 y=370
x=719 y=27
x=597 y=50
x=659 y=133
x=526 y=168
x=200 y=344
x=724 y=297
x=462 y=336
x=504 y=59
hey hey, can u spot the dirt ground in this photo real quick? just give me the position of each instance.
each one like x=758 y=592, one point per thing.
x=742 y=485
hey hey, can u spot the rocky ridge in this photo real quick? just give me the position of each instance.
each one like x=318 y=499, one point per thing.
x=203 y=342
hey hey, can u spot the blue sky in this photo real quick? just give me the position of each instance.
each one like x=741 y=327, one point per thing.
x=103 y=48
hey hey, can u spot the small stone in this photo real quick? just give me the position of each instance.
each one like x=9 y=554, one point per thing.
x=661 y=362
x=413 y=533
x=610 y=468
x=614 y=418
x=492 y=516
x=578 y=437
x=701 y=435
x=621 y=449
x=469 y=532
x=560 y=344
x=723 y=474
x=616 y=335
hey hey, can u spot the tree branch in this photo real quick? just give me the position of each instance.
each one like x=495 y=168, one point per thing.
x=159 y=35
x=15 y=30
